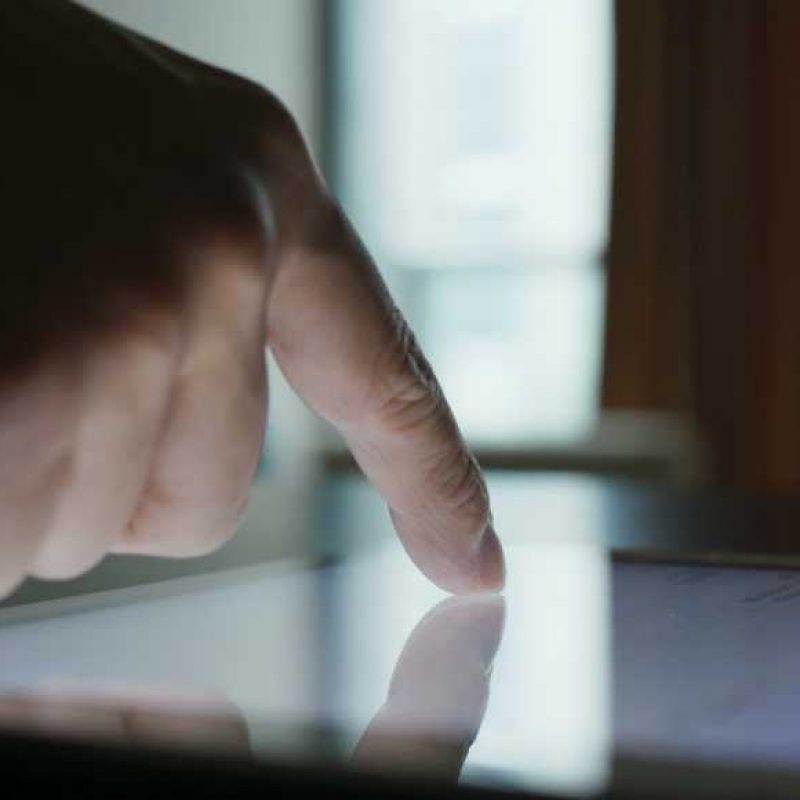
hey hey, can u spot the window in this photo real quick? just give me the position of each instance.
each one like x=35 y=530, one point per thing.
x=471 y=148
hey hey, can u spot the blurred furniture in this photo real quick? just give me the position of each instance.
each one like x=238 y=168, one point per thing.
x=628 y=518
x=703 y=285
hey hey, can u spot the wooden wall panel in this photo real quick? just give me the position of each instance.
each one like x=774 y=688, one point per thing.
x=704 y=266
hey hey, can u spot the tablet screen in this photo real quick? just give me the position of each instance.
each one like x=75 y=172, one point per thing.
x=707 y=663
x=365 y=663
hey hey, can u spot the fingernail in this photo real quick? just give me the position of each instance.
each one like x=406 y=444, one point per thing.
x=491 y=562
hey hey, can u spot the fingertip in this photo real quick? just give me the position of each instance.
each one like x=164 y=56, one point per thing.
x=491 y=562
x=458 y=567
x=480 y=617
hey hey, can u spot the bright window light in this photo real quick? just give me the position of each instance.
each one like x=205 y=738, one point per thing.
x=473 y=150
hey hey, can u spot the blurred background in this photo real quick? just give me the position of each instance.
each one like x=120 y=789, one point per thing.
x=469 y=141
x=586 y=208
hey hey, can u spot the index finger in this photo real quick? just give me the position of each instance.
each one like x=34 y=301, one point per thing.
x=347 y=350
x=342 y=343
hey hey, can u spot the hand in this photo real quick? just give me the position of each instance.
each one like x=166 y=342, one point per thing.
x=166 y=225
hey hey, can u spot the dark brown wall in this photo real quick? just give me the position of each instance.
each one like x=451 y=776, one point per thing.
x=704 y=269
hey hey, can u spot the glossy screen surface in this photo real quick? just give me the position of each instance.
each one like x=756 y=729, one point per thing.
x=365 y=663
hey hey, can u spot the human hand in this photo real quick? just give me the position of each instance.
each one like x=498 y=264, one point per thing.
x=167 y=223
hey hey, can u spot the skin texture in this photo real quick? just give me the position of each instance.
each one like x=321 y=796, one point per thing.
x=165 y=224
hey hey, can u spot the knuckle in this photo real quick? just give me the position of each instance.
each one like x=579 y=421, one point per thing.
x=405 y=393
x=409 y=403
x=176 y=528
x=65 y=565
x=220 y=215
x=460 y=489
x=248 y=120
x=409 y=406
x=280 y=120
x=175 y=541
x=144 y=345
x=296 y=204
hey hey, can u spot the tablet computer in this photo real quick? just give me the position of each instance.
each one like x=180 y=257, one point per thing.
x=594 y=674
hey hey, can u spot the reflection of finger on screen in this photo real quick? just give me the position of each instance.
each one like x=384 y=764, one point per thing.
x=438 y=692
x=190 y=721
